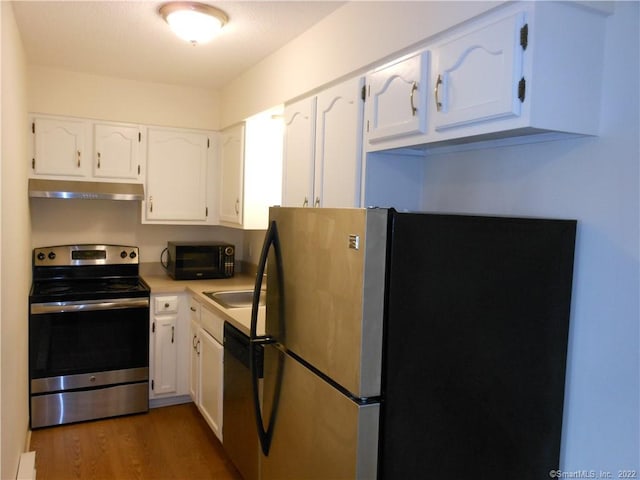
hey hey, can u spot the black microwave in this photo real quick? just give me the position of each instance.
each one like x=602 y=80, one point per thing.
x=200 y=260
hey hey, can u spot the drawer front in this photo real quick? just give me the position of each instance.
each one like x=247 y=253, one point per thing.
x=213 y=324
x=166 y=304
x=194 y=310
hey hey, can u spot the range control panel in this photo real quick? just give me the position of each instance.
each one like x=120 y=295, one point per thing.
x=79 y=255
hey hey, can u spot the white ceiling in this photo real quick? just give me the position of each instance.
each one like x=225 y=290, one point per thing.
x=128 y=39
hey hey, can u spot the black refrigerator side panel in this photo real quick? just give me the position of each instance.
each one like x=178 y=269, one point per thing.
x=475 y=346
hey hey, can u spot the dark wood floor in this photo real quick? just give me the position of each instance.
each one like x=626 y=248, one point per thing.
x=166 y=443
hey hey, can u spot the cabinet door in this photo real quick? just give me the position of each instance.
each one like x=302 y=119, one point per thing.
x=211 y=381
x=231 y=174
x=339 y=145
x=176 y=175
x=477 y=74
x=165 y=355
x=116 y=151
x=299 y=145
x=194 y=362
x=60 y=147
x=397 y=99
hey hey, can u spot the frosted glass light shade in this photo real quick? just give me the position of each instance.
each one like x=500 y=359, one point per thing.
x=193 y=22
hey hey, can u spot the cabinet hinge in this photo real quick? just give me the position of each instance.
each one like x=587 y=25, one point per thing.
x=364 y=93
x=524 y=36
x=33 y=164
x=33 y=127
x=367 y=126
x=153 y=384
x=206 y=211
x=153 y=327
x=208 y=143
x=522 y=85
x=138 y=169
x=139 y=137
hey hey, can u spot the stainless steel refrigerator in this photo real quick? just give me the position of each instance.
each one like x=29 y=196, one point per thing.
x=412 y=345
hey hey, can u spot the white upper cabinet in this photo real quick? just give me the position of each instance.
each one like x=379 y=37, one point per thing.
x=117 y=152
x=323 y=148
x=339 y=145
x=523 y=72
x=68 y=148
x=396 y=103
x=251 y=170
x=178 y=164
x=299 y=145
x=532 y=69
x=231 y=175
x=60 y=147
x=479 y=74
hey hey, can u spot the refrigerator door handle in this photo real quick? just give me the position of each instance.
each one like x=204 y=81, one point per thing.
x=271 y=239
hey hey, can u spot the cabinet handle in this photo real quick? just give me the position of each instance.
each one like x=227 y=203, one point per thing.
x=317 y=202
x=414 y=87
x=306 y=202
x=78 y=158
x=436 y=93
x=173 y=331
x=237 y=206
x=193 y=342
x=192 y=309
x=98 y=159
x=198 y=347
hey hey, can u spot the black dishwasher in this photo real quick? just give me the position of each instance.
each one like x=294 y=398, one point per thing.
x=240 y=438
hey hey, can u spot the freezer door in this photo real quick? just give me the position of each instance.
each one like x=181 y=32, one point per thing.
x=318 y=432
x=332 y=291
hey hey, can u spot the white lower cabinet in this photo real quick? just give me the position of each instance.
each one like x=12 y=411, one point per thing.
x=211 y=388
x=168 y=352
x=165 y=378
x=206 y=365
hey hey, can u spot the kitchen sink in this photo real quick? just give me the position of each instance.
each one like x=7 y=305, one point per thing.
x=236 y=298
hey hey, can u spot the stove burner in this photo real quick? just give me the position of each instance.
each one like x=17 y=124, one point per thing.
x=86 y=272
x=57 y=290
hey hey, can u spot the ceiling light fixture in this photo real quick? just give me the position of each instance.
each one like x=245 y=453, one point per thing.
x=193 y=22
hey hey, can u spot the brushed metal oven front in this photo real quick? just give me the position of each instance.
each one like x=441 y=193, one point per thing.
x=88 y=360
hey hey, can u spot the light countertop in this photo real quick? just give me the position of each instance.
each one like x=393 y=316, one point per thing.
x=160 y=283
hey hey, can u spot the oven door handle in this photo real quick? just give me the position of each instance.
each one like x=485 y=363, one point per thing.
x=88 y=305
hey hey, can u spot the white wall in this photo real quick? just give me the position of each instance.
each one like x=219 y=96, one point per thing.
x=63 y=92
x=66 y=221
x=594 y=180
x=15 y=257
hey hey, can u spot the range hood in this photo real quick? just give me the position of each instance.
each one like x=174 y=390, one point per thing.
x=89 y=190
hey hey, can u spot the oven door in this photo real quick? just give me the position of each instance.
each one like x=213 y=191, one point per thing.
x=88 y=359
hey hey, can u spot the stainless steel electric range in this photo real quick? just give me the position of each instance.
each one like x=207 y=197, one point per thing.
x=88 y=334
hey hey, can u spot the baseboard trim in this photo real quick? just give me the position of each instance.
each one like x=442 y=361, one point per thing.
x=27 y=466
x=165 y=402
